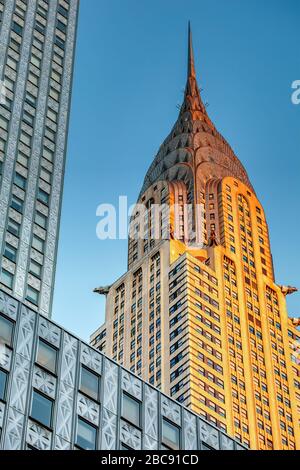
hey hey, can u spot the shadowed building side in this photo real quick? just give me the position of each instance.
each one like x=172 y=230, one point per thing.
x=37 y=48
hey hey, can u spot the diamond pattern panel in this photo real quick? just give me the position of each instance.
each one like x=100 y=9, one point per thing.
x=91 y=358
x=109 y=430
x=151 y=412
x=8 y=306
x=49 y=332
x=88 y=409
x=68 y=369
x=65 y=411
x=44 y=382
x=226 y=442
x=25 y=334
x=38 y=437
x=209 y=435
x=131 y=384
x=14 y=430
x=20 y=382
x=110 y=386
x=130 y=435
x=190 y=431
x=61 y=444
x=170 y=410
x=149 y=443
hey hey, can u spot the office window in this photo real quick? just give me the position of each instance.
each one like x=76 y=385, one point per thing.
x=46 y=175
x=35 y=61
x=86 y=435
x=13 y=227
x=6 y=331
x=9 y=84
x=52 y=115
x=39 y=27
x=60 y=43
x=32 y=295
x=30 y=99
x=3 y=123
x=17 y=203
x=61 y=26
x=43 y=196
x=3 y=380
x=41 y=408
x=25 y=138
x=42 y=11
x=12 y=63
x=170 y=434
x=47 y=356
x=35 y=268
x=48 y=154
x=40 y=219
x=89 y=383
x=23 y=159
x=6 y=278
x=2 y=145
x=62 y=11
x=131 y=409
x=17 y=28
x=37 y=243
x=10 y=252
x=29 y=119
x=38 y=44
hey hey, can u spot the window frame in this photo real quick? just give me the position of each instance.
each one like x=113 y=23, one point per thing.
x=37 y=239
x=10 y=223
x=5 y=373
x=31 y=299
x=80 y=419
x=135 y=400
x=9 y=345
x=31 y=271
x=43 y=197
x=9 y=275
x=19 y=202
x=47 y=398
x=50 y=346
x=10 y=252
x=168 y=443
x=97 y=376
x=42 y=217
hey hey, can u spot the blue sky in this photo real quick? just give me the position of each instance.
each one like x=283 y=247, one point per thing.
x=129 y=75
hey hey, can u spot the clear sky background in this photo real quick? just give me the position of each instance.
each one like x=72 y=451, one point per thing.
x=129 y=76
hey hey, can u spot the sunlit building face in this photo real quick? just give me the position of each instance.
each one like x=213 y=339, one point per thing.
x=198 y=313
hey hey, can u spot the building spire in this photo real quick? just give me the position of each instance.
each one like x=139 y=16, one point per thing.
x=192 y=103
x=194 y=131
x=191 y=62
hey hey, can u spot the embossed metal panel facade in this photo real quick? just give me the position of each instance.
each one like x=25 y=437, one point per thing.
x=37 y=42
x=70 y=402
